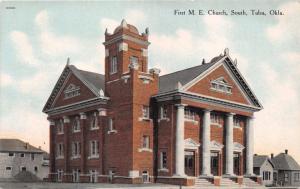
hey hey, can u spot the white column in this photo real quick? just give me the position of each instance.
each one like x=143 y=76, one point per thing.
x=249 y=146
x=179 y=168
x=206 y=171
x=229 y=144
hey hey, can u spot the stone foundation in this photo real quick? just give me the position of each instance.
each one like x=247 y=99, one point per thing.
x=181 y=181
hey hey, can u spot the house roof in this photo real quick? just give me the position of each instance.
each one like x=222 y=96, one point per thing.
x=94 y=79
x=259 y=160
x=16 y=145
x=169 y=82
x=284 y=161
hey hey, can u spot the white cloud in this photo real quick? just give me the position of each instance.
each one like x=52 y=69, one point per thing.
x=277 y=124
x=287 y=27
x=190 y=47
x=23 y=47
x=51 y=43
x=5 y=80
x=110 y=24
x=28 y=122
x=135 y=17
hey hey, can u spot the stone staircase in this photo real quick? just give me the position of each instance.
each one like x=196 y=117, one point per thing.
x=227 y=182
x=202 y=182
x=251 y=183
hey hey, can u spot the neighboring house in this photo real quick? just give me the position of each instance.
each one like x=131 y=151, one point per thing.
x=263 y=166
x=132 y=125
x=19 y=160
x=287 y=170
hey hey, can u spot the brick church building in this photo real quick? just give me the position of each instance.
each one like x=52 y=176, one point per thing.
x=131 y=125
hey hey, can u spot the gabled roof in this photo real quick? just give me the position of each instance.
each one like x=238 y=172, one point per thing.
x=16 y=145
x=169 y=82
x=185 y=78
x=284 y=161
x=259 y=160
x=94 y=81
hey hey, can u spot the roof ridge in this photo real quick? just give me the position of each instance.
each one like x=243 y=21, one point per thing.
x=181 y=70
x=90 y=72
x=211 y=61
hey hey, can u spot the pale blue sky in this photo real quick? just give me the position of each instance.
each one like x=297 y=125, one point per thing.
x=37 y=37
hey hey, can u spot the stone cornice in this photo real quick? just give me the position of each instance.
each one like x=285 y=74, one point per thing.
x=127 y=37
x=77 y=106
x=176 y=95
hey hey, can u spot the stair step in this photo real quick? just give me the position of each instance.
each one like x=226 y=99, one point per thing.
x=202 y=182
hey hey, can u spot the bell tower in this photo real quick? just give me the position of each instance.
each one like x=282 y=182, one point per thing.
x=130 y=86
x=125 y=48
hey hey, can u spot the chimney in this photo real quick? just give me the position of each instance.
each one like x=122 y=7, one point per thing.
x=26 y=145
x=40 y=147
x=255 y=154
x=286 y=151
x=272 y=156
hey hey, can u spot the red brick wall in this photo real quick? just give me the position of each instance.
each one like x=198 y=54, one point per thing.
x=85 y=92
x=203 y=87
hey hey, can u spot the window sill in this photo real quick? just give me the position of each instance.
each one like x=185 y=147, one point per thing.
x=238 y=127
x=76 y=131
x=163 y=170
x=164 y=119
x=60 y=133
x=94 y=128
x=94 y=157
x=59 y=157
x=145 y=150
x=216 y=124
x=112 y=131
x=144 y=119
x=75 y=157
x=190 y=120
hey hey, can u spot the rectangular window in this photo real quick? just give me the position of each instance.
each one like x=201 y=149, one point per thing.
x=113 y=65
x=215 y=119
x=8 y=168
x=145 y=176
x=286 y=177
x=110 y=124
x=189 y=114
x=134 y=60
x=146 y=112
x=75 y=175
x=60 y=150
x=163 y=160
x=11 y=154
x=297 y=177
x=23 y=168
x=76 y=149
x=59 y=175
x=163 y=112
x=32 y=156
x=36 y=169
x=94 y=121
x=76 y=124
x=145 y=143
x=93 y=176
x=236 y=122
x=60 y=127
x=22 y=155
x=94 y=148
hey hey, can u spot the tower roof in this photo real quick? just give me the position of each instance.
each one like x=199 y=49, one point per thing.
x=126 y=26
